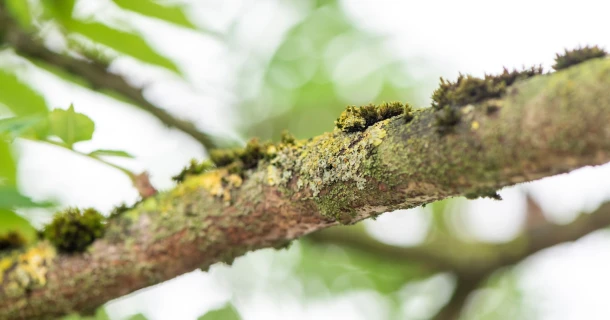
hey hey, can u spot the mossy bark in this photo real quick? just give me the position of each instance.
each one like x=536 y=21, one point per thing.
x=544 y=126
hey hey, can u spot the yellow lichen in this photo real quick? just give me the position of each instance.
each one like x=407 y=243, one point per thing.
x=273 y=175
x=212 y=181
x=27 y=269
x=474 y=125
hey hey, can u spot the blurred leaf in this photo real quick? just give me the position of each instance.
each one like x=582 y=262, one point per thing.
x=70 y=126
x=112 y=153
x=20 y=9
x=169 y=13
x=18 y=126
x=8 y=167
x=12 y=222
x=439 y=212
x=138 y=316
x=128 y=43
x=60 y=9
x=344 y=269
x=10 y=198
x=19 y=97
x=100 y=314
x=311 y=77
x=227 y=312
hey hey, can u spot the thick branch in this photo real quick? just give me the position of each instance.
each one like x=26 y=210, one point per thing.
x=547 y=125
x=95 y=74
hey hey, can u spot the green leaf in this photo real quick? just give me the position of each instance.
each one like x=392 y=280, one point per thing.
x=344 y=269
x=19 y=97
x=138 y=316
x=128 y=43
x=100 y=314
x=112 y=153
x=60 y=9
x=11 y=222
x=11 y=198
x=8 y=167
x=21 y=11
x=227 y=312
x=172 y=14
x=70 y=126
x=19 y=126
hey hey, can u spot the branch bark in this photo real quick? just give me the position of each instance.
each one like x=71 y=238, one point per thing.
x=547 y=125
x=92 y=72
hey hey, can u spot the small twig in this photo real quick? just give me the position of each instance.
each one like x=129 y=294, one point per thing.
x=140 y=181
x=96 y=74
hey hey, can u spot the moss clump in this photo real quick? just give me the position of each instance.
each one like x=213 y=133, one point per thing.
x=469 y=89
x=252 y=153
x=194 y=168
x=409 y=112
x=388 y=110
x=483 y=193
x=357 y=119
x=287 y=138
x=578 y=55
x=224 y=157
x=446 y=118
x=239 y=159
x=12 y=240
x=73 y=230
x=351 y=120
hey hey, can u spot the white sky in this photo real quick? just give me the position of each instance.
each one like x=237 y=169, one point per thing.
x=569 y=282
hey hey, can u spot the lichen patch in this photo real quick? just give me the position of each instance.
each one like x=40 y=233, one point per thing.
x=23 y=270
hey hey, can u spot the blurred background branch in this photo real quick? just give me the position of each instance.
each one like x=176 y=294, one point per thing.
x=470 y=263
x=93 y=72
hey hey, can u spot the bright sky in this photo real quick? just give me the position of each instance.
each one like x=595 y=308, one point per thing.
x=568 y=282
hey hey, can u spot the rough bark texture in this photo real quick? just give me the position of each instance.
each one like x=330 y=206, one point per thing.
x=547 y=125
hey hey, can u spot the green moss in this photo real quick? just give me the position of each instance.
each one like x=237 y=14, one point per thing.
x=483 y=193
x=469 y=89
x=578 y=55
x=12 y=240
x=194 y=168
x=253 y=153
x=73 y=230
x=118 y=210
x=388 y=110
x=239 y=159
x=409 y=112
x=224 y=157
x=337 y=204
x=351 y=120
x=357 y=119
x=287 y=138
x=446 y=118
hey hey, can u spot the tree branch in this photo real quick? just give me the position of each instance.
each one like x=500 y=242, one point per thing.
x=547 y=125
x=94 y=73
x=474 y=262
